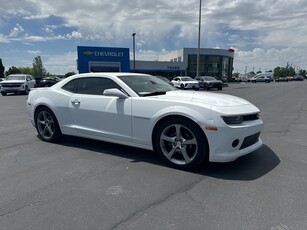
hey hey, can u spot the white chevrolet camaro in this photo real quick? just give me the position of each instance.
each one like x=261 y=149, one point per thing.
x=187 y=128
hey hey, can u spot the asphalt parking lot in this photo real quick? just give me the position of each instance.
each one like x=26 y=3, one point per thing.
x=85 y=184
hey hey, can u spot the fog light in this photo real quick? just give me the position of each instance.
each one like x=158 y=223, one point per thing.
x=235 y=143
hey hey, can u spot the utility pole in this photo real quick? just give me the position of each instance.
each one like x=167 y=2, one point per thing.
x=133 y=38
x=198 y=49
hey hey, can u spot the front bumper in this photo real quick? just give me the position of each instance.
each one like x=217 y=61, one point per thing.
x=231 y=142
x=191 y=86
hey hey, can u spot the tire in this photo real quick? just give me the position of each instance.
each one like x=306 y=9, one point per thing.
x=47 y=125
x=3 y=93
x=181 y=143
x=181 y=86
x=220 y=88
x=206 y=87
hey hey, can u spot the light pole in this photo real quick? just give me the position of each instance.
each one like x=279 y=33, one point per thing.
x=198 y=49
x=133 y=39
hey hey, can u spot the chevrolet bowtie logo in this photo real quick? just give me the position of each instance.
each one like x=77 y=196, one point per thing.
x=88 y=53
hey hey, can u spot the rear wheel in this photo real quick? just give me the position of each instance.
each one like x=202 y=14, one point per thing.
x=181 y=143
x=47 y=125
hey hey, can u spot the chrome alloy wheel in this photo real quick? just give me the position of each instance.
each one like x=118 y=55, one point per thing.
x=45 y=125
x=178 y=144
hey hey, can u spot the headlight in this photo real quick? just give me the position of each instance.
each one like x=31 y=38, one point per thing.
x=233 y=120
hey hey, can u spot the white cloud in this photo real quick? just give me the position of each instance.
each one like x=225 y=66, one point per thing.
x=16 y=31
x=3 y=39
x=61 y=64
x=262 y=59
x=34 y=52
x=265 y=33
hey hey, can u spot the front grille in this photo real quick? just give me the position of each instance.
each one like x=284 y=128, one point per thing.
x=215 y=84
x=250 y=140
x=10 y=85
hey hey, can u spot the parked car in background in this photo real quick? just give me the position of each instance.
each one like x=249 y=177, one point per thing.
x=298 y=78
x=185 y=82
x=186 y=128
x=17 y=83
x=279 y=79
x=208 y=82
x=48 y=81
x=1 y=79
x=263 y=77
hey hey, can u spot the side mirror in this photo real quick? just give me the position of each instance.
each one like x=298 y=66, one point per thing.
x=115 y=93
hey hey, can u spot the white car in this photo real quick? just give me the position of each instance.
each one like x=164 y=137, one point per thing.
x=185 y=82
x=187 y=128
x=17 y=83
x=262 y=77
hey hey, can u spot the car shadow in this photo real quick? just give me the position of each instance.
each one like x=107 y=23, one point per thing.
x=246 y=168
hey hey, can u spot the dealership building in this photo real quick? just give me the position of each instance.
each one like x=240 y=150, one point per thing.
x=183 y=62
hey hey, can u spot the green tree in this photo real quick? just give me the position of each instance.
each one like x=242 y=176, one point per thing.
x=303 y=73
x=12 y=70
x=1 y=69
x=26 y=70
x=38 y=68
x=69 y=74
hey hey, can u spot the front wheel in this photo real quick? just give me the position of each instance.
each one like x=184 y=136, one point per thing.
x=47 y=125
x=181 y=143
x=3 y=93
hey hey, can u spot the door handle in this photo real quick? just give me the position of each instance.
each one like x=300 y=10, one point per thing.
x=75 y=102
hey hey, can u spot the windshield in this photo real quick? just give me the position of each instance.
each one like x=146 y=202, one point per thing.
x=145 y=85
x=16 y=77
x=187 y=79
x=209 y=78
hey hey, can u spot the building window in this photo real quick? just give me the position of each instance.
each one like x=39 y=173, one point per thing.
x=192 y=65
x=225 y=68
x=213 y=66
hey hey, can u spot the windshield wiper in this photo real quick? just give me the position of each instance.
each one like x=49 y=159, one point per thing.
x=155 y=93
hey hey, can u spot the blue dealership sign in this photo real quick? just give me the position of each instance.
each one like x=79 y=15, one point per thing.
x=103 y=59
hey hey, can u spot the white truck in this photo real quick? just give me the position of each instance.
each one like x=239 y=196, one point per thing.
x=17 y=83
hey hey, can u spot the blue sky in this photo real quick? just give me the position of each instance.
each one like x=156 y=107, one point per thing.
x=264 y=33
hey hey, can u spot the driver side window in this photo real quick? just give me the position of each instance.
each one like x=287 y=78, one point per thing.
x=95 y=85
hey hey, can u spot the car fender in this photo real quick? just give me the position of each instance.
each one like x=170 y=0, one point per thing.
x=203 y=117
x=60 y=110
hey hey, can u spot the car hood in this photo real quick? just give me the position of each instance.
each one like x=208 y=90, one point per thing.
x=211 y=99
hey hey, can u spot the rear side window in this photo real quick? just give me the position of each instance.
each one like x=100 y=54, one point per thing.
x=71 y=86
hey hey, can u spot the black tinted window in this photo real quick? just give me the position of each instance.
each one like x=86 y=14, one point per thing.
x=95 y=85
x=70 y=86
